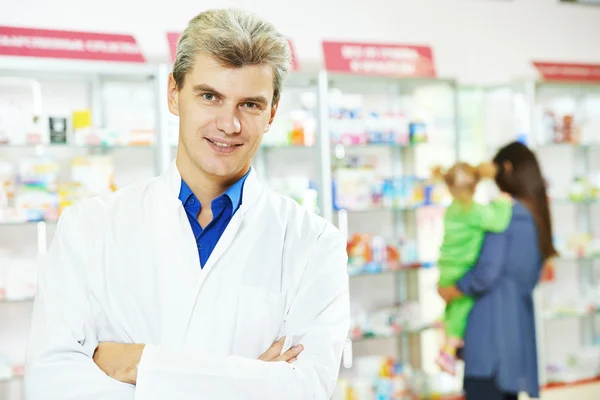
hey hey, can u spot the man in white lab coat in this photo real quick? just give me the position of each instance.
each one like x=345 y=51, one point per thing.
x=200 y=283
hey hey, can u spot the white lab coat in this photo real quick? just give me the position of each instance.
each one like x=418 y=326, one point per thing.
x=126 y=269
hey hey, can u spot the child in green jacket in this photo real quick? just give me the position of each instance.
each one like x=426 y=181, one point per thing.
x=465 y=225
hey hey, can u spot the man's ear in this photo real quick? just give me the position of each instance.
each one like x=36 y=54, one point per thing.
x=507 y=166
x=272 y=117
x=173 y=96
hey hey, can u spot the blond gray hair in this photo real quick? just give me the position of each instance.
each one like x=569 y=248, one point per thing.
x=236 y=38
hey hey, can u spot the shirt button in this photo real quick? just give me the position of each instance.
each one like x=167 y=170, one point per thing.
x=199 y=245
x=190 y=202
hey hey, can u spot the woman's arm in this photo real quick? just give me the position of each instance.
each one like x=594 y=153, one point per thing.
x=486 y=272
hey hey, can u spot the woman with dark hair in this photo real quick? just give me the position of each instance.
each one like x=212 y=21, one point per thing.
x=500 y=350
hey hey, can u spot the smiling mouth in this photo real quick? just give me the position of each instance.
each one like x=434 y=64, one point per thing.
x=223 y=145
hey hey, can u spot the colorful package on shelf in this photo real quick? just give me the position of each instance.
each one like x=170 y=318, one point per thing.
x=351 y=129
x=35 y=198
x=577 y=366
x=298 y=128
x=388 y=378
x=94 y=173
x=583 y=189
x=85 y=134
x=417 y=132
x=36 y=202
x=392 y=383
x=278 y=134
x=69 y=194
x=399 y=132
x=389 y=321
x=58 y=129
x=81 y=122
x=137 y=137
x=7 y=183
x=353 y=188
x=39 y=171
x=303 y=132
x=559 y=127
x=577 y=245
x=371 y=254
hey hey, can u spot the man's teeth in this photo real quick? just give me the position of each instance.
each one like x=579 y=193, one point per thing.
x=222 y=144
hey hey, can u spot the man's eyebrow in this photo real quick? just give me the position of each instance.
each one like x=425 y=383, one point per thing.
x=256 y=99
x=206 y=89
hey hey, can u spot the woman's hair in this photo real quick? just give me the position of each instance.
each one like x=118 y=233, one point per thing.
x=462 y=178
x=519 y=174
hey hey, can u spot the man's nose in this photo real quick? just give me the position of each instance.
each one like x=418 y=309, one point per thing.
x=228 y=121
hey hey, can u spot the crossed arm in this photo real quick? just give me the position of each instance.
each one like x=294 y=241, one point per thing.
x=120 y=361
x=66 y=362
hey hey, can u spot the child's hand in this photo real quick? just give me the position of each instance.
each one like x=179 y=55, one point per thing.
x=505 y=196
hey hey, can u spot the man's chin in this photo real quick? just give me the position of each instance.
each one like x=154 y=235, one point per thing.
x=221 y=171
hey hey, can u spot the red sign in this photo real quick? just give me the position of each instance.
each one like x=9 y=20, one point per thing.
x=568 y=72
x=295 y=65
x=379 y=59
x=68 y=44
x=173 y=38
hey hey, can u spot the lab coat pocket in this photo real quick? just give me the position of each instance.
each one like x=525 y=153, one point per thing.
x=259 y=321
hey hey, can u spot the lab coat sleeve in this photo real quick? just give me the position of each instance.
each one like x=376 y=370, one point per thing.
x=488 y=269
x=62 y=339
x=318 y=318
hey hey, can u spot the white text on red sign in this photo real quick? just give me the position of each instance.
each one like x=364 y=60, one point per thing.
x=351 y=52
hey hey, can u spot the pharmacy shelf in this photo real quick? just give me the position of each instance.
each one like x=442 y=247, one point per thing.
x=375 y=270
x=380 y=209
x=581 y=146
x=566 y=156
x=561 y=385
x=452 y=396
x=22 y=223
x=382 y=145
x=44 y=146
x=400 y=334
x=566 y=313
x=17 y=301
x=16 y=374
x=590 y=257
x=566 y=201
x=273 y=147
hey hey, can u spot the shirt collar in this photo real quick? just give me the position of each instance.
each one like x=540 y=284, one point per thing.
x=234 y=192
x=185 y=192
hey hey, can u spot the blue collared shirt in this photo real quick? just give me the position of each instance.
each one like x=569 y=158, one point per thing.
x=223 y=209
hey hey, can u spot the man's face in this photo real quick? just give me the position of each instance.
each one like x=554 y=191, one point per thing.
x=223 y=114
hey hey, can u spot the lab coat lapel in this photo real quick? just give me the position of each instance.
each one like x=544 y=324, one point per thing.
x=251 y=192
x=183 y=287
x=177 y=256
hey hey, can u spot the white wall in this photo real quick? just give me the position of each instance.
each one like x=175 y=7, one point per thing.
x=476 y=41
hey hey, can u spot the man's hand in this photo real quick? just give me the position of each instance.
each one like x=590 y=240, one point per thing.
x=119 y=361
x=273 y=353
